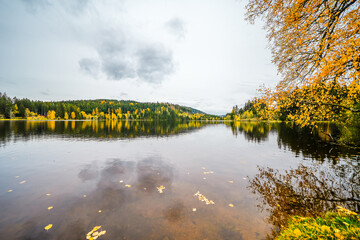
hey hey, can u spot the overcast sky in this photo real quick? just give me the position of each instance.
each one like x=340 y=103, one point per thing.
x=201 y=54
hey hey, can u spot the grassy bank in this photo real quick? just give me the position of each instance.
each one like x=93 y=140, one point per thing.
x=342 y=224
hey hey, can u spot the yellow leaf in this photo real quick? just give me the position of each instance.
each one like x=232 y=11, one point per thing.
x=48 y=194
x=127 y=185
x=231 y=181
x=297 y=232
x=160 y=189
x=51 y=207
x=10 y=190
x=325 y=228
x=48 y=227
x=231 y=205
x=99 y=211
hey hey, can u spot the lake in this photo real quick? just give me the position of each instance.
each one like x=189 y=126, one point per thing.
x=148 y=180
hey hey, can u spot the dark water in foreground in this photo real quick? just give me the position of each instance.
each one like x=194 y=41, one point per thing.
x=107 y=174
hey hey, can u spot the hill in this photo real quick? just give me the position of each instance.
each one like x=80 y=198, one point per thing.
x=97 y=109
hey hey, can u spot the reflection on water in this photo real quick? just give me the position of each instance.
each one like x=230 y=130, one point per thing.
x=309 y=143
x=307 y=190
x=276 y=168
x=253 y=131
x=13 y=130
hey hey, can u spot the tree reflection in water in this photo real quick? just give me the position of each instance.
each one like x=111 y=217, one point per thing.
x=306 y=190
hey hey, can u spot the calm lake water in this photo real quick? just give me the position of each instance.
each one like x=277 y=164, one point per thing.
x=108 y=173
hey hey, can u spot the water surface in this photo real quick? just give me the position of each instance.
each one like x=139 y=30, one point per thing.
x=107 y=174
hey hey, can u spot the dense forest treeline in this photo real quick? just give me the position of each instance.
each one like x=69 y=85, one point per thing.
x=340 y=105
x=97 y=109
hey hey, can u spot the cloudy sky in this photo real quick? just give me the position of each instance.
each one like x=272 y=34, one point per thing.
x=201 y=54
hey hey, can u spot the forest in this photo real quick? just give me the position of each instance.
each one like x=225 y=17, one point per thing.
x=15 y=108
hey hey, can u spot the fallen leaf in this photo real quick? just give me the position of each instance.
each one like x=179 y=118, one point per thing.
x=94 y=234
x=194 y=209
x=244 y=178
x=22 y=182
x=121 y=181
x=10 y=190
x=48 y=194
x=17 y=176
x=203 y=198
x=84 y=196
x=160 y=189
x=204 y=178
x=48 y=227
x=99 y=211
x=127 y=185
x=231 y=205
x=231 y=181
x=51 y=207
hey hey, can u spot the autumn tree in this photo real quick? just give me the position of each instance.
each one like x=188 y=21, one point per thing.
x=312 y=40
x=315 y=45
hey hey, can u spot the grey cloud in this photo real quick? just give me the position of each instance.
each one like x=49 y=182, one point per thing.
x=154 y=63
x=116 y=69
x=90 y=66
x=120 y=60
x=176 y=27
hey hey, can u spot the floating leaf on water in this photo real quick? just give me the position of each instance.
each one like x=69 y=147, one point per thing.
x=203 y=198
x=84 y=196
x=231 y=205
x=48 y=194
x=194 y=209
x=94 y=233
x=10 y=190
x=22 y=182
x=51 y=207
x=48 y=227
x=160 y=189
x=127 y=185
x=231 y=181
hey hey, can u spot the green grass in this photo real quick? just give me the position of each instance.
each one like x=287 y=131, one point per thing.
x=342 y=224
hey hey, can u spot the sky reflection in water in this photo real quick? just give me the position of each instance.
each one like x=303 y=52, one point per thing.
x=73 y=159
